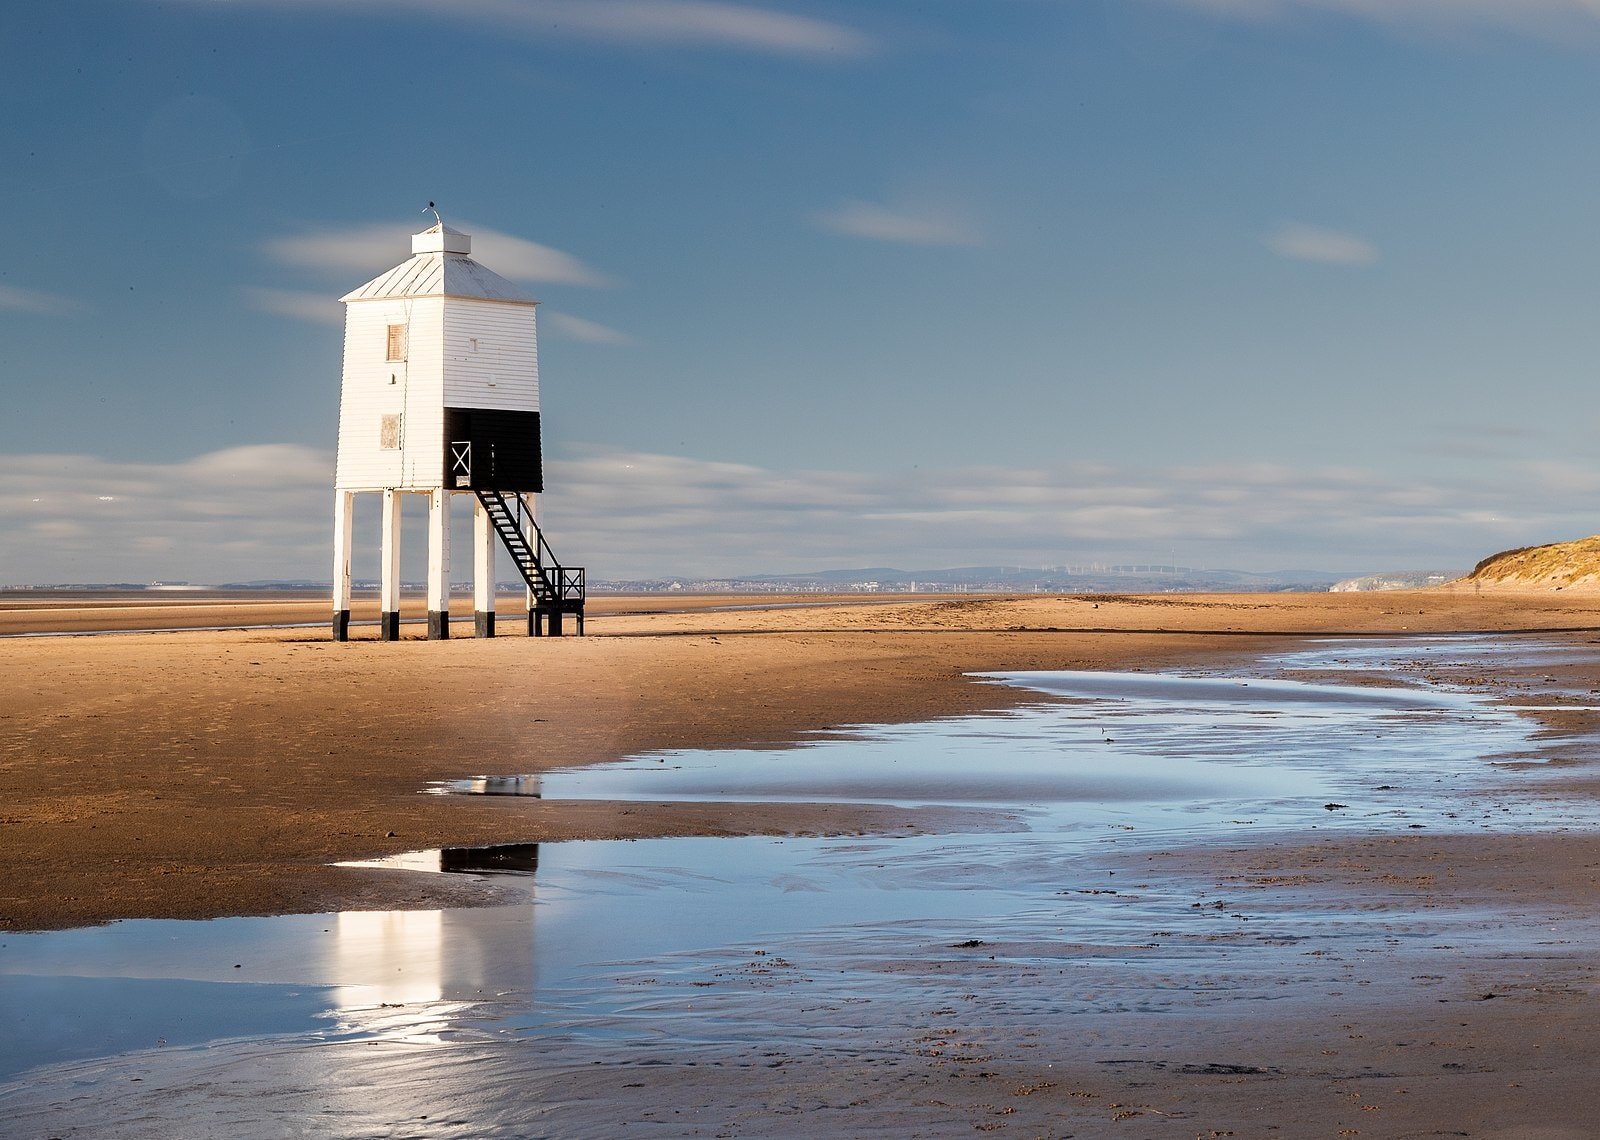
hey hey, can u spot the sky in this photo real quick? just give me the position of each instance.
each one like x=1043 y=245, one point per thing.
x=1246 y=284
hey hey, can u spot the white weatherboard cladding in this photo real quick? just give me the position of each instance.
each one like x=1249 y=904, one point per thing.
x=375 y=386
x=491 y=356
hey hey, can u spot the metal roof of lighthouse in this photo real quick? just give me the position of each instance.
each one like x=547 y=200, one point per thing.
x=440 y=267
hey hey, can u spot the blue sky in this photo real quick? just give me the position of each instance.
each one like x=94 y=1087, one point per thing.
x=1244 y=283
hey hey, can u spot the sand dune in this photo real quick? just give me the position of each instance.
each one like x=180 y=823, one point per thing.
x=1571 y=565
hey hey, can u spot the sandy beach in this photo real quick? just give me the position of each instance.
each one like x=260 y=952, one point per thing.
x=213 y=773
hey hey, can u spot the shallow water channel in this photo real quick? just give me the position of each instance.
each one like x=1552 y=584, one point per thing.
x=725 y=948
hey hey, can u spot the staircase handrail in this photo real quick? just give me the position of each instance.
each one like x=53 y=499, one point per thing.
x=556 y=583
x=544 y=558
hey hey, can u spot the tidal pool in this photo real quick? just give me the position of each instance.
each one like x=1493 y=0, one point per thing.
x=720 y=948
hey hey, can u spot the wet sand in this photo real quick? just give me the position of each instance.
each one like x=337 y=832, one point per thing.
x=199 y=774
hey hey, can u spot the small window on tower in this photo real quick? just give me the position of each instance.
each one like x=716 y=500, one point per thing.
x=389 y=434
x=397 y=342
x=472 y=342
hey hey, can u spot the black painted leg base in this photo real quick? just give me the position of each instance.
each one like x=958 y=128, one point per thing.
x=438 y=625
x=341 y=625
x=389 y=626
x=483 y=623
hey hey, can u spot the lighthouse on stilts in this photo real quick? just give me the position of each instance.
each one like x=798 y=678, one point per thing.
x=441 y=398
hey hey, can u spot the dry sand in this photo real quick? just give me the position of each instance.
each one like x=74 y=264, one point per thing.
x=198 y=774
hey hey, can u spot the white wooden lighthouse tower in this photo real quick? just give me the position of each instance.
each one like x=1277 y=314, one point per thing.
x=441 y=398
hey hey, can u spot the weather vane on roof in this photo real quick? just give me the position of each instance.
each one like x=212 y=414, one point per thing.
x=435 y=214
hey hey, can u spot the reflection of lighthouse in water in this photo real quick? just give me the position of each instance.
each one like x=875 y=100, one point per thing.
x=398 y=954
x=384 y=959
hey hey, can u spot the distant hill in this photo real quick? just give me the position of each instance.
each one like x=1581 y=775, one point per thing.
x=1126 y=578
x=1558 y=566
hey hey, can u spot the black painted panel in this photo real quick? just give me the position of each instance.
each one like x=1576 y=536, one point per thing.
x=505 y=449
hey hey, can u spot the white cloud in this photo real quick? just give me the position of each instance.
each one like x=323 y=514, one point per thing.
x=910 y=227
x=664 y=23
x=357 y=249
x=523 y=260
x=371 y=249
x=245 y=512
x=318 y=308
x=635 y=515
x=577 y=328
x=1301 y=242
x=264 y=512
x=687 y=23
x=1537 y=17
x=16 y=299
